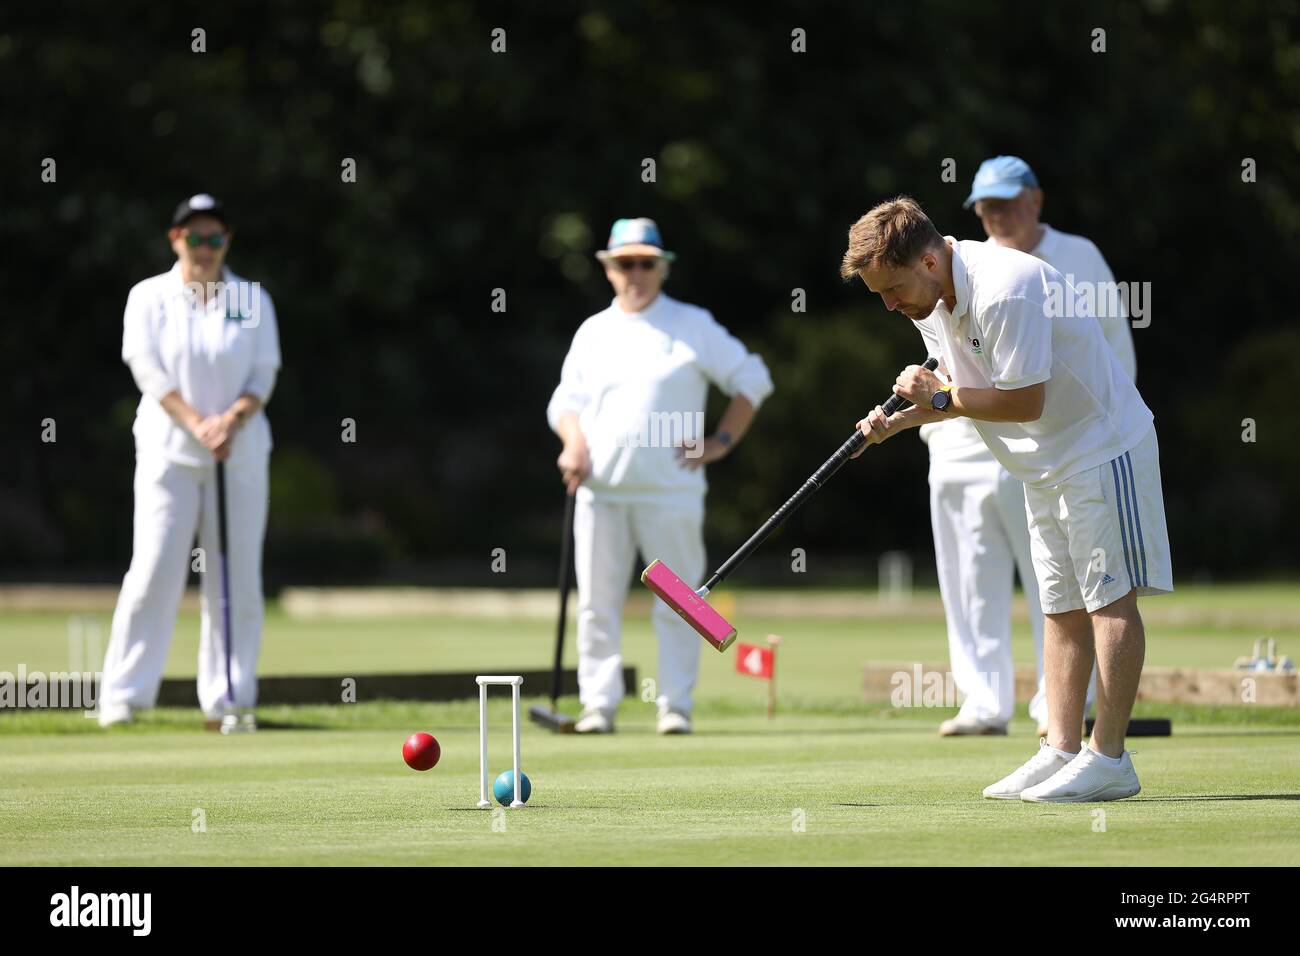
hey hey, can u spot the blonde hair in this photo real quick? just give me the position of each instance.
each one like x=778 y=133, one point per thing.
x=893 y=234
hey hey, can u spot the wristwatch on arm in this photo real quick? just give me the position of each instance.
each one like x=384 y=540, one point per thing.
x=941 y=400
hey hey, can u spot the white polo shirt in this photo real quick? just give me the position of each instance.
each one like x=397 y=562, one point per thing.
x=210 y=354
x=638 y=382
x=1079 y=260
x=1000 y=335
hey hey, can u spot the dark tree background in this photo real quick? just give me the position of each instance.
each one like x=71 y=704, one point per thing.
x=481 y=170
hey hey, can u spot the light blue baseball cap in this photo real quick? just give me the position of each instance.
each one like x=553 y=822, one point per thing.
x=1001 y=177
x=635 y=237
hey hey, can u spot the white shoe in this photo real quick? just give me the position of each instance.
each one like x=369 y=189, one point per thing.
x=594 y=721
x=239 y=722
x=673 y=722
x=1087 y=779
x=111 y=715
x=960 y=726
x=1035 y=770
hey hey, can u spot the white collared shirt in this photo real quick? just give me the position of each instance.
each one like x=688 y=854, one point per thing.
x=1080 y=261
x=1070 y=255
x=211 y=353
x=636 y=379
x=1002 y=334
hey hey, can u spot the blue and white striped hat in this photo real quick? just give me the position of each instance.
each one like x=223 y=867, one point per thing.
x=635 y=237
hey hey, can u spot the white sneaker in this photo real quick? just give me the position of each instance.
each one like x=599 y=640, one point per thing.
x=1036 y=769
x=673 y=722
x=594 y=721
x=111 y=715
x=1087 y=779
x=960 y=726
x=239 y=722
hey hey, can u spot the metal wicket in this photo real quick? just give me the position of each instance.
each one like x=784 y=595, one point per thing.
x=483 y=682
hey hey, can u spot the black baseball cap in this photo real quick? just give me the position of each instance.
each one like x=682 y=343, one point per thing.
x=200 y=204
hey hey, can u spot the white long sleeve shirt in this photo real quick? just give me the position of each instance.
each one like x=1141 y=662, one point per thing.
x=211 y=353
x=1070 y=255
x=638 y=383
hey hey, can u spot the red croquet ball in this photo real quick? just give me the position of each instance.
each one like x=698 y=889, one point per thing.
x=421 y=751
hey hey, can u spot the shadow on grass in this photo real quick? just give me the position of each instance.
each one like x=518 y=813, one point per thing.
x=274 y=725
x=530 y=808
x=1257 y=732
x=812 y=731
x=1205 y=797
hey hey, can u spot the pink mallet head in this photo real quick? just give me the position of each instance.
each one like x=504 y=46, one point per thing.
x=695 y=611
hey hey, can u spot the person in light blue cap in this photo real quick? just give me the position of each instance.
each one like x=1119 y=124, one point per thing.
x=981 y=535
x=630 y=411
x=1002 y=177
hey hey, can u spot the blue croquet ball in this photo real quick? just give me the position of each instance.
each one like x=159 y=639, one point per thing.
x=504 y=788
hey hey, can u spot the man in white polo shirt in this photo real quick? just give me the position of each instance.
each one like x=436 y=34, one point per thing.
x=977 y=511
x=1052 y=402
x=630 y=411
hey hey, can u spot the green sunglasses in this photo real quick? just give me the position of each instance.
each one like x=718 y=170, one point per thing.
x=216 y=240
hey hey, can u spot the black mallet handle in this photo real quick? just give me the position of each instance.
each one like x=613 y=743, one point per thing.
x=566 y=584
x=822 y=475
x=224 y=559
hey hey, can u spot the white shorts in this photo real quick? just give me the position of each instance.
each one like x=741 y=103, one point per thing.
x=1101 y=533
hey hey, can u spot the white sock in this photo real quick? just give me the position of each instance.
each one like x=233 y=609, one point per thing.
x=1065 y=754
x=1113 y=761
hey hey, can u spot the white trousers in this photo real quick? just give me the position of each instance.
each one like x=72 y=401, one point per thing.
x=606 y=538
x=173 y=502
x=981 y=537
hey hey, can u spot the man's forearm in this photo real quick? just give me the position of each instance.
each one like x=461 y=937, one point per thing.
x=568 y=430
x=996 y=404
x=736 y=419
x=245 y=407
x=180 y=410
x=916 y=416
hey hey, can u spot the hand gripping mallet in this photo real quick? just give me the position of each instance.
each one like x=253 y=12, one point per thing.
x=690 y=604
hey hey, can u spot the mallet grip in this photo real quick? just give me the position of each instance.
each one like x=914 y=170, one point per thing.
x=816 y=480
x=896 y=403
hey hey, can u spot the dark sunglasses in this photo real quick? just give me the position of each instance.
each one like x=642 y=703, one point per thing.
x=628 y=265
x=216 y=240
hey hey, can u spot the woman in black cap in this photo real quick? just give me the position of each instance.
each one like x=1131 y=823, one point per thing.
x=203 y=348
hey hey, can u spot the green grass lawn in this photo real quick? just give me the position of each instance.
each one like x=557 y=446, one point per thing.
x=327 y=786
x=831 y=780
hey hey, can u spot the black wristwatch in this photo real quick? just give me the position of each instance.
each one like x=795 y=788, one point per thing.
x=942 y=399
x=724 y=439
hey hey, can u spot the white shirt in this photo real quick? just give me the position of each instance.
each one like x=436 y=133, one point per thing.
x=638 y=384
x=1000 y=335
x=210 y=353
x=1079 y=260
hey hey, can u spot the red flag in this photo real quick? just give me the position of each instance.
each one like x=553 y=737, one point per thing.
x=754 y=660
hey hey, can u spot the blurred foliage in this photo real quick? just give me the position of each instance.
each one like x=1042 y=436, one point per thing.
x=479 y=170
